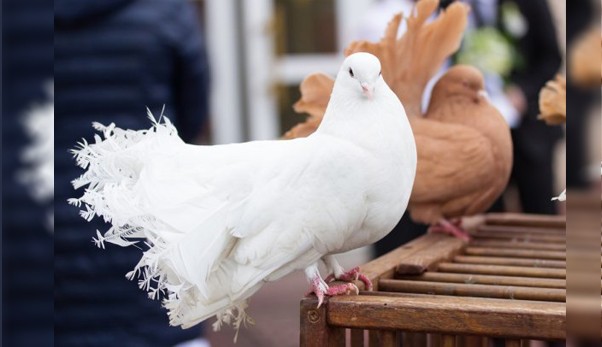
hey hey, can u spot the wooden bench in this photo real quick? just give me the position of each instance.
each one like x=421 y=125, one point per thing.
x=508 y=282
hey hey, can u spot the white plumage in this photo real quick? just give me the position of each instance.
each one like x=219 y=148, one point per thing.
x=219 y=221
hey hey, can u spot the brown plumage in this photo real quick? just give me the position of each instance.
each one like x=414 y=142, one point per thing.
x=463 y=143
x=552 y=108
x=464 y=150
x=552 y=101
x=585 y=64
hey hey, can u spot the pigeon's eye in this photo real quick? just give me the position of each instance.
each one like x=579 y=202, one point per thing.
x=350 y=72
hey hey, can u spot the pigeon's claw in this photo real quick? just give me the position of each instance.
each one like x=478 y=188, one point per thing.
x=352 y=275
x=342 y=289
x=319 y=289
x=366 y=281
x=450 y=228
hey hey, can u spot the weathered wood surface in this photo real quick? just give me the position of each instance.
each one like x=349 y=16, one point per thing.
x=473 y=290
x=508 y=282
x=517 y=253
x=384 y=338
x=315 y=330
x=357 y=337
x=413 y=339
x=513 y=343
x=471 y=341
x=410 y=254
x=448 y=341
x=518 y=230
x=488 y=243
x=520 y=238
x=450 y=315
x=488 y=279
x=428 y=258
x=528 y=220
x=536 y=263
x=502 y=270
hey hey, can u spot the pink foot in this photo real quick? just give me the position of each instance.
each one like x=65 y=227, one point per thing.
x=342 y=289
x=352 y=275
x=319 y=289
x=331 y=290
x=451 y=228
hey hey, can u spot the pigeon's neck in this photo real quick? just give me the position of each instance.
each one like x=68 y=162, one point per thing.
x=374 y=124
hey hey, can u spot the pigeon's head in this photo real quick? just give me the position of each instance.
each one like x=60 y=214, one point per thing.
x=359 y=74
x=461 y=80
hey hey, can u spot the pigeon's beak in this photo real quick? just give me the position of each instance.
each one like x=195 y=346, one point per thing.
x=483 y=94
x=367 y=90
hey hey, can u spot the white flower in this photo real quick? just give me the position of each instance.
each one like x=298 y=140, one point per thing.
x=514 y=21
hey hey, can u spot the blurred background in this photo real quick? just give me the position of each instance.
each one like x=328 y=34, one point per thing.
x=226 y=71
x=272 y=45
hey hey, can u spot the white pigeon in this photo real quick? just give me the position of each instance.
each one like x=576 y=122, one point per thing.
x=220 y=221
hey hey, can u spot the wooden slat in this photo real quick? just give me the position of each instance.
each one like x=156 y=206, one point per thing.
x=502 y=270
x=517 y=245
x=435 y=340
x=449 y=315
x=529 y=220
x=384 y=267
x=513 y=343
x=428 y=258
x=357 y=337
x=448 y=341
x=538 y=263
x=315 y=330
x=518 y=237
x=471 y=341
x=488 y=279
x=413 y=339
x=386 y=338
x=475 y=290
x=521 y=229
x=518 y=253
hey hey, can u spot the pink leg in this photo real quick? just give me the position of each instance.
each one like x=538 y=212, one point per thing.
x=331 y=290
x=317 y=289
x=450 y=228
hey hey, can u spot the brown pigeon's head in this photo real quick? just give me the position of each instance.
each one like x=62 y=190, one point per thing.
x=461 y=80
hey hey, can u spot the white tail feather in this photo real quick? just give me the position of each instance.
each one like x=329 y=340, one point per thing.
x=175 y=268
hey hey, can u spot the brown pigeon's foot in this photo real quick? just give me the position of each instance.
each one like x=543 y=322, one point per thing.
x=450 y=228
x=352 y=275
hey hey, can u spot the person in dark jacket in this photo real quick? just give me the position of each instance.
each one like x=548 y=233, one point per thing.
x=27 y=286
x=579 y=101
x=533 y=140
x=114 y=58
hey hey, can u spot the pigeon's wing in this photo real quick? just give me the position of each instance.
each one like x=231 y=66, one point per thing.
x=453 y=161
x=303 y=203
x=217 y=220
